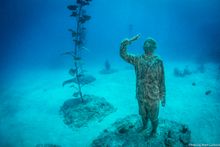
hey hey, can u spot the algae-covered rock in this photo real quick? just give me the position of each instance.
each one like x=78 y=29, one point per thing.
x=124 y=132
x=77 y=114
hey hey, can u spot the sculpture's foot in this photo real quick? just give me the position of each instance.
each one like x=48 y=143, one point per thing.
x=141 y=129
x=154 y=128
x=153 y=134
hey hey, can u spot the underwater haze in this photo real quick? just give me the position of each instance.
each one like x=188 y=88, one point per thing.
x=34 y=35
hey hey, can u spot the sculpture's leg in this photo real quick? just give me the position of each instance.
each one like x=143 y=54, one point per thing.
x=154 y=112
x=154 y=128
x=144 y=115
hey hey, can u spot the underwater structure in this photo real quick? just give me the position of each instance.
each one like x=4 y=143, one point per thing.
x=124 y=132
x=107 y=68
x=78 y=13
x=79 y=111
x=37 y=110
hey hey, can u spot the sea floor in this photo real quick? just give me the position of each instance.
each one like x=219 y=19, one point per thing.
x=31 y=100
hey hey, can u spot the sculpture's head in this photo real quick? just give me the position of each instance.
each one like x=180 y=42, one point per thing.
x=149 y=46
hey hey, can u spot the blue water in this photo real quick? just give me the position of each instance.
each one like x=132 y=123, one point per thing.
x=33 y=34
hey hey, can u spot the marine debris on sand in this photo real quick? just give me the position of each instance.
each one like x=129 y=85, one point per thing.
x=182 y=73
x=78 y=114
x=107 y=68
x=124 y=132
x=193 y=84
x=208 y=92
x=187 y=70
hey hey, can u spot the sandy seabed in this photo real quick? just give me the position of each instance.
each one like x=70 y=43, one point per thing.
x=30 y=105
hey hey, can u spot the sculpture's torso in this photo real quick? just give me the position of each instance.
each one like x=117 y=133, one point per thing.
x=148 y=72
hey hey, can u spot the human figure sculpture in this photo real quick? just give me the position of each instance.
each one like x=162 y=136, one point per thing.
x=150 y=81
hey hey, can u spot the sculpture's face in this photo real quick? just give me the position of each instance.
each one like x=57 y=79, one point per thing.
x=149 y=46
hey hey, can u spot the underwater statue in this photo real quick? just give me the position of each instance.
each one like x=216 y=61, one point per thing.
x=150 y=81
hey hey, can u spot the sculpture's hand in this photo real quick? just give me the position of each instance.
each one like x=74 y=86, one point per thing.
x=127 y=41
x=136 y=37
x=163 y=102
